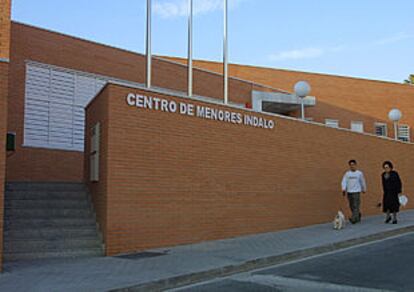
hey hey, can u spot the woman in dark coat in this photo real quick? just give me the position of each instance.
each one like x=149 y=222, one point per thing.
x=391 y=184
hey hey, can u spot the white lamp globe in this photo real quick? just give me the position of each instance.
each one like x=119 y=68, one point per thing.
x=302 y=89
x=394 y=115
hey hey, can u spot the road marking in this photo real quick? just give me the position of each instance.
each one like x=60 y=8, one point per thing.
x=332 y=252
x=303 y=285
x=261 y=279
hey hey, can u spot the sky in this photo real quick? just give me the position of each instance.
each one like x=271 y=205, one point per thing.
x=371 y=39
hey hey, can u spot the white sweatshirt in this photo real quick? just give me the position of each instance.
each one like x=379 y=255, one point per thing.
x=354 y=182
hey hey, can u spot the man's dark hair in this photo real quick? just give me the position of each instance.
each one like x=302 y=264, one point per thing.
x=352 y=161
x=389 y=163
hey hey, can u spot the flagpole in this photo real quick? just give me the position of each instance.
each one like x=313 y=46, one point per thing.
x=148 y=44
x=225 y=54
x=190 y=48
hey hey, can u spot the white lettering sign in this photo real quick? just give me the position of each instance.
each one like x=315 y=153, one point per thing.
x=199 y=111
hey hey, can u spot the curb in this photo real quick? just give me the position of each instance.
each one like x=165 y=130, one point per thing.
x=193 y=278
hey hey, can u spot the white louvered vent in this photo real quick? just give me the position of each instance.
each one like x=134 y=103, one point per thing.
x=404 y=133
x=55 y=102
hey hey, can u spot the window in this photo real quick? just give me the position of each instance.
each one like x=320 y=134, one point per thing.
x=357 y=126
x=55 y=101
x=332 y=123
x=381 y=129
x=404 y=133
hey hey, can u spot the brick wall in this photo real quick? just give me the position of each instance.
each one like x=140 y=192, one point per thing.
x=344 y=98
x=98 y=112
x=172 y=179
x=29 y=43
x=338 y=98
x=3 y=128
x=4 y=75
x=5 y=28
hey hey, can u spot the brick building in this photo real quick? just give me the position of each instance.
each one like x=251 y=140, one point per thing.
x=186 y=169
x=341 y=101
x=5 y=11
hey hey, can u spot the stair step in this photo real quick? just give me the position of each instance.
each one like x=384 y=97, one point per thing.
x=49 y=220
x=45 y=195
x=78 y=253
x=22 y=223
x=51 y=233
x=59 y=245
x=45 y=186
x=53 y=204
x=13 y=214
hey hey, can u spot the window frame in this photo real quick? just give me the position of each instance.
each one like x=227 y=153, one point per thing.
x=406 y=138
x=357 y=122
x=330 y=122
x=379 y=124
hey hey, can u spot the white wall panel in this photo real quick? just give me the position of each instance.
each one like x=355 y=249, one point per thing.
x=54 y=106
x=55 y=101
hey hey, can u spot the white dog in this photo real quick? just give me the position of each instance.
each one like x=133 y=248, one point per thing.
x=339 y=221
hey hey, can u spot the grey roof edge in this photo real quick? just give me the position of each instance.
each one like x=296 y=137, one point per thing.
x=283 y=98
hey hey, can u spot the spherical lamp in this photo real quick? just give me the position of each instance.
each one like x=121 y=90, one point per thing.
x=302 y=89
x=395 y=115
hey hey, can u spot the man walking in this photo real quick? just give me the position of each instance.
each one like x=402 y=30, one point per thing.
x=353 y=183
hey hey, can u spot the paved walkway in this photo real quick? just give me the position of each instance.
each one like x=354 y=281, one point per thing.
x=190 y=263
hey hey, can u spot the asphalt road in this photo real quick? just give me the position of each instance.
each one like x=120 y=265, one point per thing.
x=385 y=265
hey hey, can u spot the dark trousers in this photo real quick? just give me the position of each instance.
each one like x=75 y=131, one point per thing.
x=354 y=200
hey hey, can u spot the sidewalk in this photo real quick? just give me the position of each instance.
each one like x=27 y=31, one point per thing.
x=170 y=267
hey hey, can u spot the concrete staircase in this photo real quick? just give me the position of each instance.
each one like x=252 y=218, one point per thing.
x=49 y=220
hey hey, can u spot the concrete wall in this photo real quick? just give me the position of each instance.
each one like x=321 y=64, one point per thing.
x=170 y=179
x=344 y=98
x=29 y=43
x=4 y=75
